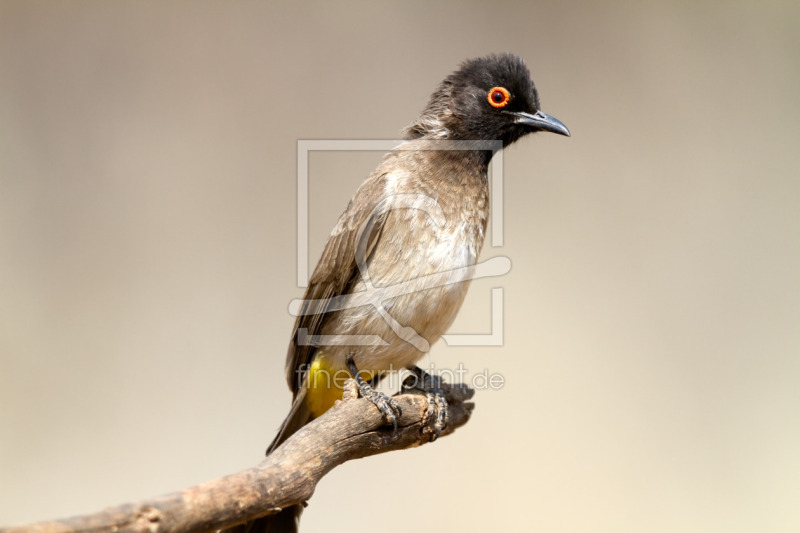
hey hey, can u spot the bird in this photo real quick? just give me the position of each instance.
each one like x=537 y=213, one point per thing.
x=395 y=269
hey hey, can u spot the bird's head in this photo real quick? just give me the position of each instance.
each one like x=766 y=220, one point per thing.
x=487 y=98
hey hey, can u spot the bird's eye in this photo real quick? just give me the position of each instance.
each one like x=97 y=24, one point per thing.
x=499 y=96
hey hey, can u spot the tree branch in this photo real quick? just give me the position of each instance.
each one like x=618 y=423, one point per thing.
x=350 y=430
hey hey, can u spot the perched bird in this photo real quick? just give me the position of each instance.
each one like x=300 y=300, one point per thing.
x=409 y=235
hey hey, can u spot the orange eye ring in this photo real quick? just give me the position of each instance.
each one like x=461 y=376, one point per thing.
x=499 y=97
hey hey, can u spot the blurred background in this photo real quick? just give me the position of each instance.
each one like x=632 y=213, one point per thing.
x=652 y=314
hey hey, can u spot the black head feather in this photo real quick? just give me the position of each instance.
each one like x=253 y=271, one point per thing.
x=459 y=109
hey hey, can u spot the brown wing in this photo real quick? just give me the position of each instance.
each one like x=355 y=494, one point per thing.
x=360 y=225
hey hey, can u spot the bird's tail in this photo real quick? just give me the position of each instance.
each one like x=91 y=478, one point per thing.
x=298 y=416
x=287 y=520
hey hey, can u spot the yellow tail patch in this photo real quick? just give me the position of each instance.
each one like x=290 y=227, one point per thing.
x=325 y=383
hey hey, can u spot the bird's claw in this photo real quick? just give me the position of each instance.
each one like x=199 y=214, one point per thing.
x=389 y=408
x=436 y=415
x=437 y=405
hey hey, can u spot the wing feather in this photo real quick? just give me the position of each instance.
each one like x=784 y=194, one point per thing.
x=336 y=270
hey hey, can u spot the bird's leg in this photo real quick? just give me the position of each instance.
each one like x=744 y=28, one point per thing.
x=431 y=386
x=387 y=406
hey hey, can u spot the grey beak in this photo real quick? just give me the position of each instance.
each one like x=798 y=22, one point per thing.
x=541 y=121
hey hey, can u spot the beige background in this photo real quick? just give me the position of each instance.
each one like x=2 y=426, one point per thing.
x=652 y=314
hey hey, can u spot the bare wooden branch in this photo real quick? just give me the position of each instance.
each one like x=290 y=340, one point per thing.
x=350 y=430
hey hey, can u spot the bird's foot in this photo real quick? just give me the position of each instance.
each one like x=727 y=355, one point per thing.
x=430 y=385
x=389 y=408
